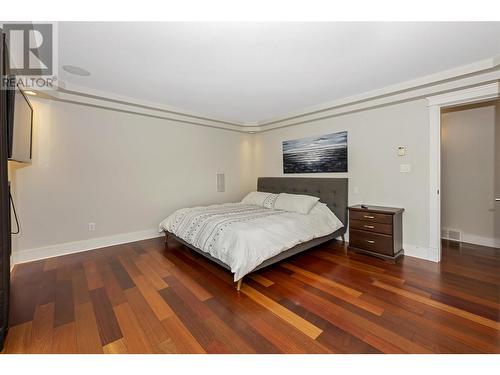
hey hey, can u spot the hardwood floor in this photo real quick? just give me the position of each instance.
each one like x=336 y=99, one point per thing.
x=146 y=297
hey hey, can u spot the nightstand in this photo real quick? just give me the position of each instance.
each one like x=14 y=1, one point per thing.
x=376 y=231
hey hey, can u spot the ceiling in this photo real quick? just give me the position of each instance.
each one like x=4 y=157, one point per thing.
x=254 y=72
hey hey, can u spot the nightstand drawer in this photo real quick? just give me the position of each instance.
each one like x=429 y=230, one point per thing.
x=371 y=216
x=379 y=243
x=371 y=226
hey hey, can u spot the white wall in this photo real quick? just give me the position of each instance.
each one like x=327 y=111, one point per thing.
x=497 y=170
x=374 y=176
x=123 y=172
x=468 y=172
x=127 y=172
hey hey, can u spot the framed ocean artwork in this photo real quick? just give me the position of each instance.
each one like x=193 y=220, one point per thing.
x=321 y=154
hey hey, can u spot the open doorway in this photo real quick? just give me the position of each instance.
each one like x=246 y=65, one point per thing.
x=470 y=181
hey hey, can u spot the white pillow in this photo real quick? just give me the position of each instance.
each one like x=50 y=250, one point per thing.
x=301 y=204
x=258 y=198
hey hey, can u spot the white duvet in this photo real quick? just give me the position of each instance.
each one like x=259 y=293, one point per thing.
x=243 y=236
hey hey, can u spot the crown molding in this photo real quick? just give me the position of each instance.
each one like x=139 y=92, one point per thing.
x=69 y=93
x=496 y=60
x=468 y=76
x=72 y=89
x=470 y=95
x=477 y=73
x=432 y=79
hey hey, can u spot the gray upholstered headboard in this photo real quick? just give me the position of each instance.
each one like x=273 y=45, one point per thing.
x=331 y=191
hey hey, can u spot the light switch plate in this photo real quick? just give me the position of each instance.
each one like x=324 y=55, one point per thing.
x=401 y=150
x=405 y=168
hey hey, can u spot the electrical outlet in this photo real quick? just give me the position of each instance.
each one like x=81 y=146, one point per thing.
x=91 y=227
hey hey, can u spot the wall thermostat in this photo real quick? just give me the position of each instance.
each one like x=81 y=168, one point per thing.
x=401 y=150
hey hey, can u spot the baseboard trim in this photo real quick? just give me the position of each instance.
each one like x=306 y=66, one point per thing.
x=477 y=240
x=421 y=252
x=66 y=248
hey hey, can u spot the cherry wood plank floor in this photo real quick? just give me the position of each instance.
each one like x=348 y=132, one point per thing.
x=148 y=297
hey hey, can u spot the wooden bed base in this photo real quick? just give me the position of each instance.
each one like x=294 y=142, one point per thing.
x=331 y=191
x=278 y=258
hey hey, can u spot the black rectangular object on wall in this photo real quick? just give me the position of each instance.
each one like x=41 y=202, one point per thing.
x=5 y=244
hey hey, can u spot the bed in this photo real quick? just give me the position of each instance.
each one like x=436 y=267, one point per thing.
x=332 y=193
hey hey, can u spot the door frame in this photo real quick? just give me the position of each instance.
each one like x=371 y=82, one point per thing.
x=435 y=104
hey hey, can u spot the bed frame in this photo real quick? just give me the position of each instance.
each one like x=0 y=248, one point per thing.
x=331 y=191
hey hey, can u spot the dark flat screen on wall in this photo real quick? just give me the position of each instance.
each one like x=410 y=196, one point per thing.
x=20 y=121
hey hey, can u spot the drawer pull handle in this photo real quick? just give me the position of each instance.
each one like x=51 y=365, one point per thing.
x=369 y=226
x=370 y=241
x=369 y=217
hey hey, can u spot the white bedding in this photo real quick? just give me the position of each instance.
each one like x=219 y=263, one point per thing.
x=243 y=236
